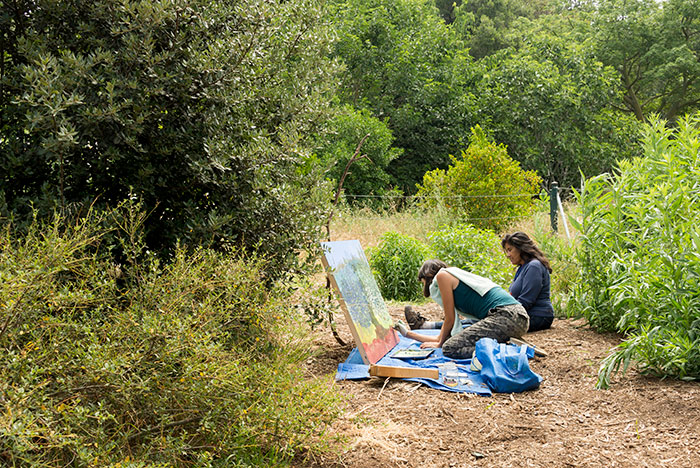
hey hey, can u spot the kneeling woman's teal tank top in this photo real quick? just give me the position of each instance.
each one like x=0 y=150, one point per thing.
x=469 y=302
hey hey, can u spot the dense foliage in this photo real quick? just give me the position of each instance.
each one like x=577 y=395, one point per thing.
x=405 y=65
x=395 y=263
x=485 y=24
x=639 y=254
x=359 y=135
x=550 y=102
x=202 y=110
x=193 y=363
x=655 y=48
x=195 y=107
x=207 y=111
x=528 y=74
x=484 y=187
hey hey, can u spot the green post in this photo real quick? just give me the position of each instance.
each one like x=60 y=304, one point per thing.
x=553 y=197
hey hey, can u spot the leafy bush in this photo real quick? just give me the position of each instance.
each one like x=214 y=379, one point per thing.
x=472 y=249
x=640 y=254
x=203 y=110
x=395 y=263
x=188 y=363
x=484 y=187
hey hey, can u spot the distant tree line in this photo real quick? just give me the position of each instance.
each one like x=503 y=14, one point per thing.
x=562 y=84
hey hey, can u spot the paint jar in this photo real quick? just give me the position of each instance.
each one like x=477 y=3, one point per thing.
x=451 y=379
x=450 y=374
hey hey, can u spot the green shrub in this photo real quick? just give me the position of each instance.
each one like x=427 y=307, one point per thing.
x=395 y=263
x=472 y=249
x=640 y=254
x=485 y=187
x=188 y=363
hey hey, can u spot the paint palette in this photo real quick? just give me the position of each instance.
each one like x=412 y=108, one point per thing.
x=412 y=353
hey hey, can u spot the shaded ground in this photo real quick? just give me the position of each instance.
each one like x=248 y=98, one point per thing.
x=639 y=422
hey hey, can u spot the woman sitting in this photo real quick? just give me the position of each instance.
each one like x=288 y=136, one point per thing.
x=531 y=283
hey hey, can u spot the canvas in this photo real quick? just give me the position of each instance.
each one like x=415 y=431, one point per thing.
x=360 y=299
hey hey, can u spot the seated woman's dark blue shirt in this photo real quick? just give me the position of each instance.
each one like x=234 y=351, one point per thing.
x=531 y=288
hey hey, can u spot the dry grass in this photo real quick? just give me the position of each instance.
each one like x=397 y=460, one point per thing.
x=367 y=226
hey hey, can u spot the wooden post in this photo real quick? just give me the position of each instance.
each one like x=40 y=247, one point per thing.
x=553 y=197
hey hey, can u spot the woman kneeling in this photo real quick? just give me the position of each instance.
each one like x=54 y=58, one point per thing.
x=499 y=315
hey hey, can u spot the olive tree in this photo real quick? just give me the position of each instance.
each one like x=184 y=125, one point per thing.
x=200 y=109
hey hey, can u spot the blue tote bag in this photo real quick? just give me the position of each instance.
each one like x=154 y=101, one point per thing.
x=504 y=367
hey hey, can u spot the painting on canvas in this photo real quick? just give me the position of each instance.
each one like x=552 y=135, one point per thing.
x=360 y=299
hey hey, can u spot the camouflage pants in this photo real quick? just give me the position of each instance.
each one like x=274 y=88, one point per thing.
x=501 y=324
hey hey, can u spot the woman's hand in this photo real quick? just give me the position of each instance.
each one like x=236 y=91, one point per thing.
x=430 y=344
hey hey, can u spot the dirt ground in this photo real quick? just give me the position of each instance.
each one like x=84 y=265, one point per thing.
x=640 y=422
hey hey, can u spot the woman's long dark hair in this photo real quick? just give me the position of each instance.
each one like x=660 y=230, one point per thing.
x=527 y=248
x=428 y=271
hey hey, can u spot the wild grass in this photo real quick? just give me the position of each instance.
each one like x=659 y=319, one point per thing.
x=368 y=226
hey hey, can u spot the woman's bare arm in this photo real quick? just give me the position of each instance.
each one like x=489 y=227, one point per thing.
x=447 y=283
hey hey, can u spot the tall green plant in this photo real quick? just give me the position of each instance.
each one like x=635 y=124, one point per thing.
x=395 y=263
x=640 y=254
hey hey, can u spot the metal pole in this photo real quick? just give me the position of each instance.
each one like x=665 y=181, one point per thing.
x=563 y=217
x=553 y=197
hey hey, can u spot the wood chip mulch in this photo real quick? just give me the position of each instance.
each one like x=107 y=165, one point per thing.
x=639 y=422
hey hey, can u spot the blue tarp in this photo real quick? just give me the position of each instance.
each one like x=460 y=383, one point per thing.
x=468 y=381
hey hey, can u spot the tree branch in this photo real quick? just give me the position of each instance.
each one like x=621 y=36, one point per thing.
x=11 y=314
x=354 y=158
